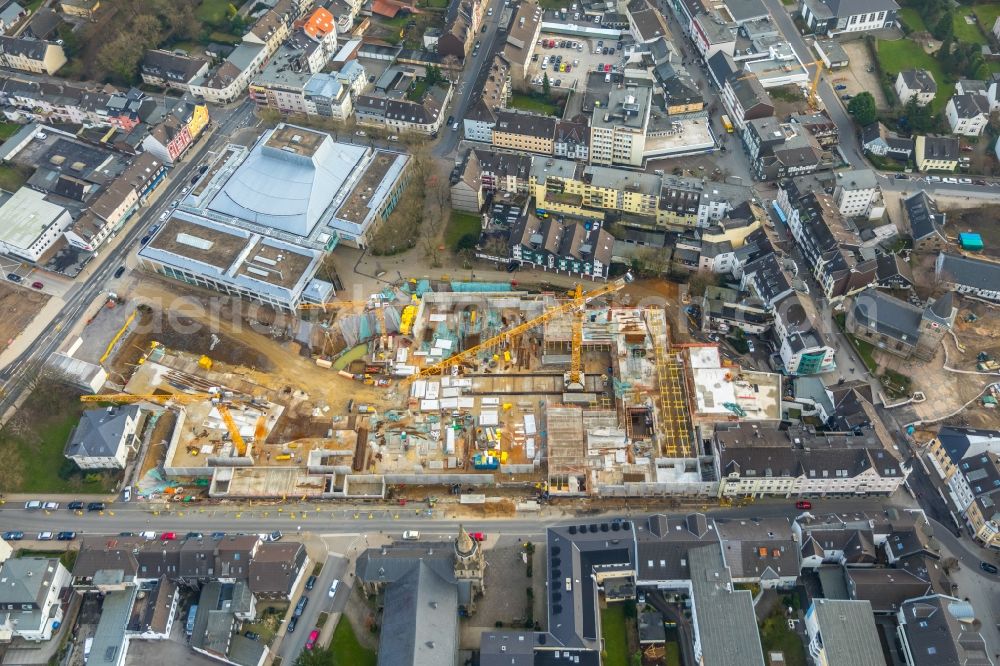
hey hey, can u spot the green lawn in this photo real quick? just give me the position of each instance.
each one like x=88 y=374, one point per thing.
x=213 y=12
x=11 y=178
x=672 y=656
x=66 y=557
x=987 y=15
x=966 y=32
x=775 y=635
x=613 y=632
x=437 y=4
x=8 y=130
x=33 y=447
x=416 y=93
x=535 y=104
x=225 y=37
x=911 y=19
x=903 y=54
x=459 y=225
x=346 y=648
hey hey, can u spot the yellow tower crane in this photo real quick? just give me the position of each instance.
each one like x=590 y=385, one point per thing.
x=574 y=379
x=181 y=399
x=512 y=333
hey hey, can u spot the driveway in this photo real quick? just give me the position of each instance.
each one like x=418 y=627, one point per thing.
x=334 y=568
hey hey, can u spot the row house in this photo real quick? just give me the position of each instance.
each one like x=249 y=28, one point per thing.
x=230 y=80
x=327 y=95
x=482 y=114
x=576 y=248
x=109 y=212
x=969 y=275
x=461 y=27
x=31 y=55
x=170 y=69
x=831 y=246
x=30 y=598
x=778 y=150
x=759 y=460
x=966 y=460
x=486 y=172
x=425 y=116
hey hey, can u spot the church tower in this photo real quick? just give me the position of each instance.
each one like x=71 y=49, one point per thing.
x=470 y=562
x=936 y=321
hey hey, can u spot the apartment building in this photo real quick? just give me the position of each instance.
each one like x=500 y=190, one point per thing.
x=482 y=115
x=746 y=99
x=936 y=153
x=966 y=461
x=522 y=33
x=778 y=150
x=104 y=438
x=939 y=629
x=842 y=632
x=230 y=80
x=758 y=460
x=327 y=95
x=967 y=114
x=522 y=131
x=858 y=194
x=800 y=347
x=30 y=598
x=486 y=172
x=170 y=69
x=968 y=275
x=391 y=105
x=571 y=247
x=915 y=84
x=830 y=244
x=31 y=55
x=618 y=131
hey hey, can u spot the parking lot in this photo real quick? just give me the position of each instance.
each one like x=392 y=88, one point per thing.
x=580 y=60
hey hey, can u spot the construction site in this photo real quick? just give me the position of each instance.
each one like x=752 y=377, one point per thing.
x=468 y=386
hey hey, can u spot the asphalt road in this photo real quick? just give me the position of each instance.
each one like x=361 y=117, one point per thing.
x=16 y=376
x=466 y=87
x=335 y=568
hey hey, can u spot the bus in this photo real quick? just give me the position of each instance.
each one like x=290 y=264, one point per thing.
x=727 y=123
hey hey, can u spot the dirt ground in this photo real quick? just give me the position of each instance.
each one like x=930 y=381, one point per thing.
x=260 y=354
x=18 y=306
x=855 y=76
x=983 y=220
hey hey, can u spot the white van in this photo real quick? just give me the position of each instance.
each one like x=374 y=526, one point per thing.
x=411 y=535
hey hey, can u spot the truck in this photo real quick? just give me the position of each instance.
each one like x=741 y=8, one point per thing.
x=727 y=123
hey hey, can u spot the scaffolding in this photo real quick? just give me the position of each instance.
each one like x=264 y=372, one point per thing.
x=675 y=435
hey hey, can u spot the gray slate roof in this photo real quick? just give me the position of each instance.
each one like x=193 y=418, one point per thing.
x=939 y=632
x=847 y=629
x=888 y=315
x=100 y=431
x=970 y=272
x=727 y=624
x=420 y=620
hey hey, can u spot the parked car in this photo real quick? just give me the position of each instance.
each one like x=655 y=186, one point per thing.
x=845 y=97
x=44 y=536
x=50 y=506
x=13 y=277
x=840 y=87
x=291 y=624
x=168 y=536
x=310 y=582
x=333 y=589
x=803 y=504
x=194 y=535
x=750 y=346
x=37 y=285
x=411 y=535
x=218 y=535
x=314 y=634
x=252 y=635
x=144 y=240
x=988 y=568
x=119 y=272
x=126 y=534
x=127 y=494
x=301 y=606
x=75 y=505
x=361 y=133
x=96 y=506
x=478 y=536
x=16 y=535
x=274 y=536
x=32 y=505
x=66 y=536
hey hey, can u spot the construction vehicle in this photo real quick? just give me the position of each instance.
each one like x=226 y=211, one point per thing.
x=218 y=397
x=735 y=409
x=506 y=337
